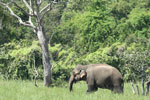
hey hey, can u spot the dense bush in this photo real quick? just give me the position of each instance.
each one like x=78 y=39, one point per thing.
x=136 y=64
x=17 y=59
x=115 y=32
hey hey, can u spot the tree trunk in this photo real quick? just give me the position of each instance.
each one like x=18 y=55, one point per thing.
x=137 y=88
x=37 y=13
x=147 y=88
x=143 y=86
x=133 y=89
x=45 y=55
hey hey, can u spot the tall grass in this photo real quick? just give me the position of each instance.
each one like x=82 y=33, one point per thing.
x=25 y=90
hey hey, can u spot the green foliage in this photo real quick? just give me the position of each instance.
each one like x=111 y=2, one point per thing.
x=77 y=5
x=139 y=21
x=17 y=59
x=136 y=64
x=121 y=9
x=92 y=28
x=85 y=32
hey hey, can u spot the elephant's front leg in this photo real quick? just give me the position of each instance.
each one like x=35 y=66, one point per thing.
x=90 y=88
x=91 y=84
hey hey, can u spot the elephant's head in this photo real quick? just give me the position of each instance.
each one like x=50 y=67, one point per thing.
x=77 y=75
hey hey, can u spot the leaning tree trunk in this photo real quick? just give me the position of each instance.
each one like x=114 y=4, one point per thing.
x=45 y=55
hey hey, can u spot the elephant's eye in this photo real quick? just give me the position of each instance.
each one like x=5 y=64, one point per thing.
x=80 y=71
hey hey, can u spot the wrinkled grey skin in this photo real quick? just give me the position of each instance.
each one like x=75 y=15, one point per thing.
x=98 y=76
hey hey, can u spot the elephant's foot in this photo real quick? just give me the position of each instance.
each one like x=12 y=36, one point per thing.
x=88 y=92
x=117 y=89
x=91 y=89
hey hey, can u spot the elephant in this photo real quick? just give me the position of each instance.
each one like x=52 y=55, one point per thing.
x=98 y=76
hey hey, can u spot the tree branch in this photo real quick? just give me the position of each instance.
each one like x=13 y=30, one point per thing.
x=45 y=10
x=27 y=5
x=48 y=7
x=32 y=6
x=40 y=2
x=22 y=9
x=30 y=12
x=16 y=16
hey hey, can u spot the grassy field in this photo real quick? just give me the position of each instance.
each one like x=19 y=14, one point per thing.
x=25 y=90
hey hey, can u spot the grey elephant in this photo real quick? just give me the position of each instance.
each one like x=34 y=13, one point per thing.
x=98 y=76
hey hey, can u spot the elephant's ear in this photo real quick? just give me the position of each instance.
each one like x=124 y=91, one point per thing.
x=83 y=74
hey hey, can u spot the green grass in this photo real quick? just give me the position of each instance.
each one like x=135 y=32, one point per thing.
x=25 y=90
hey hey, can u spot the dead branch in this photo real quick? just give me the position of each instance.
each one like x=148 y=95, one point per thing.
x=45 y=10
x=28 y=14
x=27 y=5
x=40 y=2
x=16 y=16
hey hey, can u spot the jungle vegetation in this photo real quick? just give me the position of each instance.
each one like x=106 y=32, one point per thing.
x=116 y=32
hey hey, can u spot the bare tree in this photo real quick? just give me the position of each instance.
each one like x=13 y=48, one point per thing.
x=36 y=12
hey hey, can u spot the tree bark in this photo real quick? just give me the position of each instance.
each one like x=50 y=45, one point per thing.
x=36 y=71
x=142 y=85
x=137 y=87
x=133 y=89
x=45 y=55
x=147 y=88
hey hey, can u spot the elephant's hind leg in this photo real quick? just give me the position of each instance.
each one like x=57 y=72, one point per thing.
x=117 y=89
x=118 y=86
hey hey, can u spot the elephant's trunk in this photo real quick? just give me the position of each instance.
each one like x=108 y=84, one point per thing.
x=71 y=80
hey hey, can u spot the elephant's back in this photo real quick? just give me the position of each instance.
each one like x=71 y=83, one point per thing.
x=103 y=71
x=116 y=74
x=99 y=71
x=103 y=68
x=100 y=68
